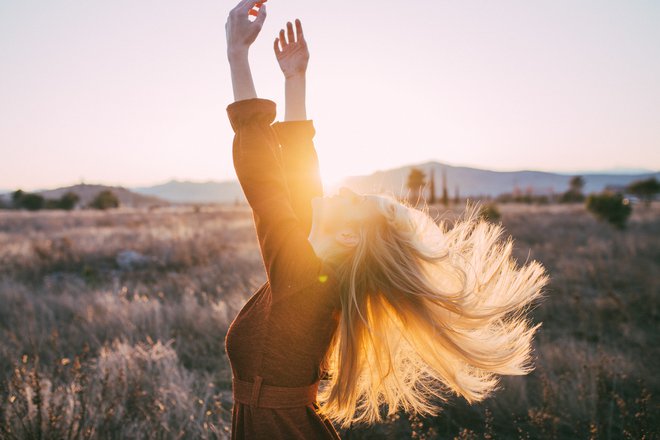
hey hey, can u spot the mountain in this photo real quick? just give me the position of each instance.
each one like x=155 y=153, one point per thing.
x=478 y=182
x=614 y=170
x=196 y=192
x=87 y=193
x=470 y=181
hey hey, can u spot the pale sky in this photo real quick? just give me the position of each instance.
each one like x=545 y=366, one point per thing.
x=135 y=92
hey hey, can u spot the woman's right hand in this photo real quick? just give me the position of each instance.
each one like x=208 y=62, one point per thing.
x=241 y=32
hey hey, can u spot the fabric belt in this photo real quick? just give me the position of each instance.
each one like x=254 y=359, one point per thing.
x=267 y=396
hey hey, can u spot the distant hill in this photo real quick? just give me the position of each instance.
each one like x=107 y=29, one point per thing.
x=196 y=192
x=87 y=193
x=471 y=182
x=615 y=170
x=478 y=182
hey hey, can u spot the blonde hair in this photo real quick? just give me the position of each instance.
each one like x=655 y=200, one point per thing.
x=426 y=311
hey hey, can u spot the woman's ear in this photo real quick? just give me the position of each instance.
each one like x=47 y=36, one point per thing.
x=347 y=237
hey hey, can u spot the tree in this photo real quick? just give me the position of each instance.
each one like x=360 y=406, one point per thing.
x=68 y=201
x=645 y=189
x=574 y=193
x=445 y=195
x=416 y=181
x=33 y=202
x=610 y=207
x=432 y=199
x=17 y=198
x=576 y=184
x=489 y=212
x=104 y=200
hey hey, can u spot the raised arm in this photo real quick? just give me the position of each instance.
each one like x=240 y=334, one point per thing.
x=296 y=133
x=288 y=256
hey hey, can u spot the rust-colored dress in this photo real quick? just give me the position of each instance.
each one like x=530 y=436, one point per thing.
x=283 y=332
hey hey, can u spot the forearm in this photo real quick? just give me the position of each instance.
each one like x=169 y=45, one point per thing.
x=294 y=93
x=241 y=75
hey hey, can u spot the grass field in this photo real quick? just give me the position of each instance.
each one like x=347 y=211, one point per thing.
x=99 y=342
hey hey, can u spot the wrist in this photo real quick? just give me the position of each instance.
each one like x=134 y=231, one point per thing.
x=295 y=77
x=235 y=54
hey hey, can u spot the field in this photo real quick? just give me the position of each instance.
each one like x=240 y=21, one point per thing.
x=112 y=325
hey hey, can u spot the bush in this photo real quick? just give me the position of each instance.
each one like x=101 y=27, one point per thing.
x=32 y=202
x=490 y=213
x=21 y=199
x=104 y=200
x=571 y=196
x=645 y=189
x=68 y=201
x=610 y=207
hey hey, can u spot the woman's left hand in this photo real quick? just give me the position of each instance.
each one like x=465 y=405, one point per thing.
x=294 y=55
x=241 y=32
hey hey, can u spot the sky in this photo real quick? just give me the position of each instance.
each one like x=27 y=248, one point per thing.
x=134 y=93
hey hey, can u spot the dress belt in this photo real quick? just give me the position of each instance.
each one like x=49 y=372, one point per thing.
x=267 y=396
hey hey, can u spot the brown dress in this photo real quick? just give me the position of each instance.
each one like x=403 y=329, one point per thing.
x=283 y=332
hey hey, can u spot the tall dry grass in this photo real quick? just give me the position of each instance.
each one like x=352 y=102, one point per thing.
x=96 y=342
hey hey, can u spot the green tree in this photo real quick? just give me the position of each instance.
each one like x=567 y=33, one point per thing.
x=610 y=207
x=104 y=200
x=416 y=181
x=68 y=201
x=576 y=184
x=432 y=198
x=489 y=212
x=17 y=198
x=574 y=193
x=445 y=194
x=33 y=202
x=645 y=189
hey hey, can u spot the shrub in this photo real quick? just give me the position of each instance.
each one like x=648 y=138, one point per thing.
x=645 y=189
x=68 y=201
x=21 y=199
x=490 y=213
x=571 y=196
x=32 y=202
x=104 y=200
x=610 y=207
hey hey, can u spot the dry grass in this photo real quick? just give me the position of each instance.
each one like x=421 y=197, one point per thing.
x=95 y=347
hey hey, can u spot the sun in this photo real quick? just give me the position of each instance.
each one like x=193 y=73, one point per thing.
x=331 y=179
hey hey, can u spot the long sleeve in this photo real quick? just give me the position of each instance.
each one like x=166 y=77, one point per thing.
x=290 y=261
x=301 y=166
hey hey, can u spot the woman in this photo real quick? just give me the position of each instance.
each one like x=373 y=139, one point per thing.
x=371 y=294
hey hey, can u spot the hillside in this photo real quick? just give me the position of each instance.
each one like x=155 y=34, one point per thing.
x=476 y=182
x=87 y=193
x=195 y=192
x=470 y=182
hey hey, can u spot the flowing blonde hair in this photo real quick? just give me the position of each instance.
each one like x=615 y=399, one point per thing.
x=426 y=311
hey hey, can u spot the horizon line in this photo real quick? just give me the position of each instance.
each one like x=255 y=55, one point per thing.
x=623 y=170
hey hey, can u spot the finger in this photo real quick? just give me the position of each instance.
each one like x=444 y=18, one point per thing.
x=289 y=31
x=242 y=5
x=282 y=39
x=299 y=30
x=246 y=5
x=254 y=11
x=276 y=46
x=262 y=15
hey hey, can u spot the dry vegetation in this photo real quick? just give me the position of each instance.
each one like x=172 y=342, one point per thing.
x=96 y=342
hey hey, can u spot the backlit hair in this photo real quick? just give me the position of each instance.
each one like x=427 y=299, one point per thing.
x=426 y=311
